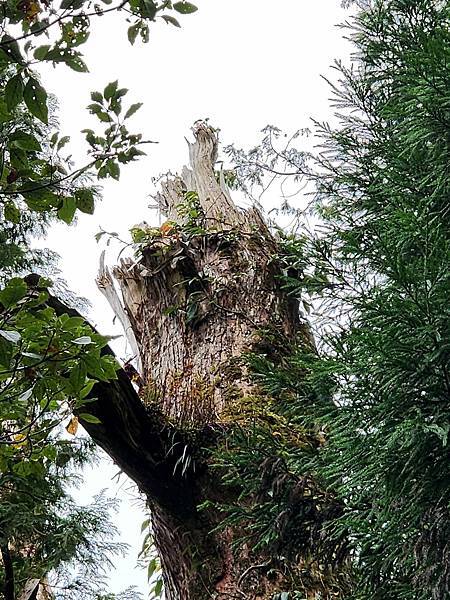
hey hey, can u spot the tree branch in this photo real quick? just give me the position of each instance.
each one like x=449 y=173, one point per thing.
x=139 y=439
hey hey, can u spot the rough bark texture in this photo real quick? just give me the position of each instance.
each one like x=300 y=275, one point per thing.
x=204 y=291
x=8 y=584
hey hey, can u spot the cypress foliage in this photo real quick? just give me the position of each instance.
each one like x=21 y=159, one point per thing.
x=378 y=275
x=384 y=193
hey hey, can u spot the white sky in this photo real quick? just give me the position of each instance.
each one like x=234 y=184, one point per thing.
x=243 y=64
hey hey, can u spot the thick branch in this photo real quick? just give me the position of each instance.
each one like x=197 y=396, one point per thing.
x=141 y=443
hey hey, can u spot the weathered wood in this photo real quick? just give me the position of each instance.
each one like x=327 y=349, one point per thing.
x=106 y=286
x=36 y=589
x=29 y=589
x=197 y=304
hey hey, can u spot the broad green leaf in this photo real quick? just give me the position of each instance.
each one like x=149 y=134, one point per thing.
x=133 y=108
x=71 y=323
x=76 y=63
x=86 y=390
x=4 y=61
x=94 y=109
x=5 y=114
x=113 y=169
x=110 y=367
x=152 y=565
x=18 y=158
x=185 y=8
x=94 y=366
x=35 y=98
x=14 y=91
x=133 y=30
x=89 y=418
x=168 y=19
x=148 y=9
x=11 y=49
x=67 y=211
x=6 y=352
x=62 y=142
x=77 y=377
x=158 y=587
x=39 y=199
x=97 y=97
x=116 y=106
x=40 y=26
x=24 y=141
x=74 y=4
x=41 y=52
x=85 y=201
x=103 y=116
x=145 y=525
x=110 y=90
x=12 y=213
x=14 y=291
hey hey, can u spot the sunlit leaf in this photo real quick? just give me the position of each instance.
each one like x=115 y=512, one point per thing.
x=83 y=340
x=89 y=418
x=11 y=336
x=67 y=210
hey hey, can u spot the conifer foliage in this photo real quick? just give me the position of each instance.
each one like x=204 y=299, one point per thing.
x=377 y=273
x=383 y=194
x=357 y=431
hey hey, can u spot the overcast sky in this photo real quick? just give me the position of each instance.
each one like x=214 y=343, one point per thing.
x=243 y=64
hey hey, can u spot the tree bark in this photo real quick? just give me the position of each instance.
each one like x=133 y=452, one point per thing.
x=8 y=567
x=204 y=292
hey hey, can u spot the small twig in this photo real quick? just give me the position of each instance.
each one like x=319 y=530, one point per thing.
x=252 y=568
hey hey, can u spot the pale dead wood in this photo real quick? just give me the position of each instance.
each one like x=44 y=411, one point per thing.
x=106 y=286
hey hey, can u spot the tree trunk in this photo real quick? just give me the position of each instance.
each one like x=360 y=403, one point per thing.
x=204 y=292
x=8 y=584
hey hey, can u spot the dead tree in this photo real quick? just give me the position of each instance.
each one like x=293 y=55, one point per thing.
x=201 y=293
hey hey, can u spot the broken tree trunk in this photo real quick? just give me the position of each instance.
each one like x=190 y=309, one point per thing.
x=204 y=292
